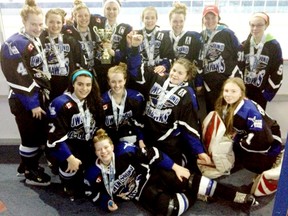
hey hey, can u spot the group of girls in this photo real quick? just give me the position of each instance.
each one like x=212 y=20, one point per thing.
x=155 y=152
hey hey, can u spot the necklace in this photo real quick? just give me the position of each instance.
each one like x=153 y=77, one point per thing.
x=59 y=53
x=118 y=109
x=254 y=58
x=39 y=48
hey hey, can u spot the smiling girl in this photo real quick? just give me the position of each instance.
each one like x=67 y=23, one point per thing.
x=156 y=49
x=263 y=61
x=24 y=65
x=170 y=121
x=256 y=136
x=116 y=45
x=62 y=51
x=73 y=118
x=126 y=172
x=221 y=54
x=123 y=108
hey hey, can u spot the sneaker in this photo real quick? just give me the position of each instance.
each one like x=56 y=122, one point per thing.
x=37 y=178
x=205 y=198
x=243 y=198
x=54 y=168
x=21 y=170
x=250 y=200
x=70 y=193
x=74 y=192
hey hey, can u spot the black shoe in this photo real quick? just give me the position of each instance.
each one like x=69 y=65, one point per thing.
x=21 y=170
x=205 y=198
x=250 y=200
x=54 y=168
x=36 y=177
x=243 y=198
x=73 y=192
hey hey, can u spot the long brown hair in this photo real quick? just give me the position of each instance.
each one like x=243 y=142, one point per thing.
x=221 y=106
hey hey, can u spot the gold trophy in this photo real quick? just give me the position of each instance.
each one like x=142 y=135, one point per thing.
x=104 y=35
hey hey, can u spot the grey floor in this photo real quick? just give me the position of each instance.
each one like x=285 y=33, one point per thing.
x=24 y=200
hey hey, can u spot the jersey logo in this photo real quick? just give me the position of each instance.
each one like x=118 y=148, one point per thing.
x=98 y=20
x=160 y=36
x=105 y=106
x=30 y=47
x=99 y=179
x=68 y=105
x=188 y=40
x=121 y=30
x=12 y=49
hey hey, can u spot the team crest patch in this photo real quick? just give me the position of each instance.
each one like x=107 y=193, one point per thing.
x=98 y=20
x=68 y=105
x=99 y=179
x=105 y=106
x=69 y=31
x=121 y=30
x=30 y=47
x=258 y=124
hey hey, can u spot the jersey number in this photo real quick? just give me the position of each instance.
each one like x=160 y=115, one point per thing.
x=21 y=69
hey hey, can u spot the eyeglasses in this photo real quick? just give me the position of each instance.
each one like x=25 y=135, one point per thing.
x=256 y=25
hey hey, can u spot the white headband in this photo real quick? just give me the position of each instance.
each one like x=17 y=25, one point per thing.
x=109 y=1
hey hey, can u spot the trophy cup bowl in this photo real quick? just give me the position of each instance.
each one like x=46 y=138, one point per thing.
x=104 y=35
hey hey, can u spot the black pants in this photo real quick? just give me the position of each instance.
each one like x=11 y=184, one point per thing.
x=33 y=133
x=254 y=162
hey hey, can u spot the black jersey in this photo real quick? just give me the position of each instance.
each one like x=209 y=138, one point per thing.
x=186 y=45
x=266 y=78
x=132 y=168
x=220 y=54
x=256 y=131
x=156 y=48
x=118 y=38
x=69 y=128
x=171 y=121
x=124 y=121
x=87 y=41
x=20 y=56
x=63 y=56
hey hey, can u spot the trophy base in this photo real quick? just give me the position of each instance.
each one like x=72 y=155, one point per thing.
x=106 y=61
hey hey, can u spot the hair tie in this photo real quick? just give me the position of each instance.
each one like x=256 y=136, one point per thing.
x=79 y=73
x=263 y=16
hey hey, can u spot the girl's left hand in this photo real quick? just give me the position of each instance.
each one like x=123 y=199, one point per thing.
x=181 y=172
x=204 y=158
x=160 y=69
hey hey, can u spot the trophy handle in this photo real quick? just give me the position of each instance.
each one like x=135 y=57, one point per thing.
x=95 y=29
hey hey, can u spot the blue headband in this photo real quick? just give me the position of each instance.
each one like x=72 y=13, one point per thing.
x=80 y=72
